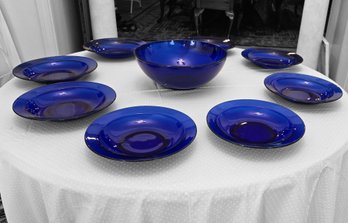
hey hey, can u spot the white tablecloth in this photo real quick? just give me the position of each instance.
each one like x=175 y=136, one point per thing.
x=47 y=174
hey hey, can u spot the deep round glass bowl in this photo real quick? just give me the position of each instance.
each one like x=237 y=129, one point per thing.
x=113 y=47
x=255 y=123
x=180 y=64
x=271 y=58
x=302 y=88
x=64 y=101
x=55 y=69
x=140 y=133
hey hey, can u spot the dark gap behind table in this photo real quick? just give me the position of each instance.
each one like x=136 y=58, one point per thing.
x=255 y=28
x=275 y=29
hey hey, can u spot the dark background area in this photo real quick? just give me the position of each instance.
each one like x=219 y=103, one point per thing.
x=262 y=23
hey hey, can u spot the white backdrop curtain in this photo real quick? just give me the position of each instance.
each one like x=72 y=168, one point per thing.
x=337 y=35
x=8 y=52
x=103 y=18
x=312 y=30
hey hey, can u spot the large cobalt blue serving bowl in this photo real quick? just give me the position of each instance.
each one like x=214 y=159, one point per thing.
x=55 y=69
x=180 y=64
x=113 y=47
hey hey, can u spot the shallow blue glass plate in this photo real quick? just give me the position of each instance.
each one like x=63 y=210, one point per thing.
x=302 y=88
x=55 y=69
x=64 y=101
x=140 y=133
x=255 y=123
x=271 y=58
x=113 y=47
x=224 y=43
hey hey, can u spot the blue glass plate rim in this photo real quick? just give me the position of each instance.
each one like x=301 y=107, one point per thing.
x=268 y=82
x=292 y=117
x=89 y=45
x=298 y=58
x=93 y=131
x=174 y=66
x=219 y=41
x=16 y=71
x=19 y=105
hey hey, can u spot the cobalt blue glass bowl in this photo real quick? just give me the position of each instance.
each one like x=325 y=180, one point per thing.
x=64 y=101
x=255 y=123
x=55 y=69
x=224 y=43
x=271 y=58
x=180 y=64
x=113 y=47
x=140 y=133
x=302 y=88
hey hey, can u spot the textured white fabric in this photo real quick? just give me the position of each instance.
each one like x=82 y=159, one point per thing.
x=47 y=174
